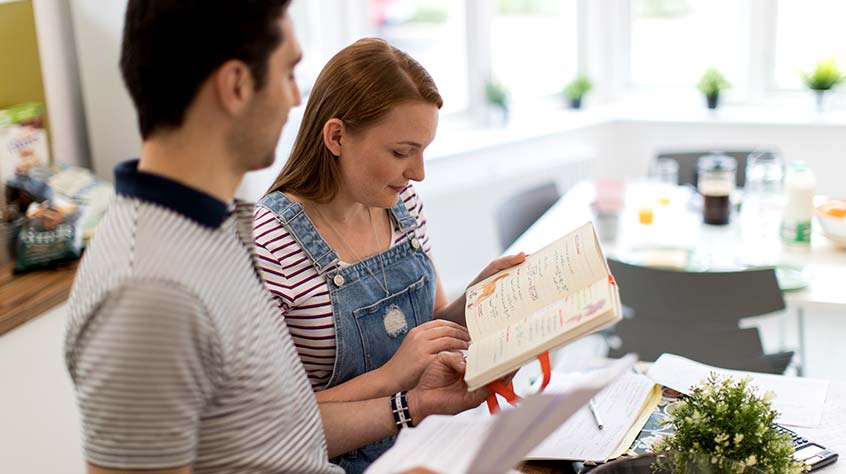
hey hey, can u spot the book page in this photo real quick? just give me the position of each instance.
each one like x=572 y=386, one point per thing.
x=619 y=406
x=798 y=400
x=444 y=444
x=576 y=315
x=491 y=444
x=568 y=264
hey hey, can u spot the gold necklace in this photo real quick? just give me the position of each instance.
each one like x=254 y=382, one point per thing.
x=384 y=282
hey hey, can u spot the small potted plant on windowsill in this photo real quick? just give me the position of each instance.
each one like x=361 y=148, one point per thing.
x=821 y=79
x=730 y=424
x=576 y=90
x=710 y=84
x=496 y=96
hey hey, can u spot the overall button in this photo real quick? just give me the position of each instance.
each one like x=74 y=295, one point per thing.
x=338 y=280
x=415 y=244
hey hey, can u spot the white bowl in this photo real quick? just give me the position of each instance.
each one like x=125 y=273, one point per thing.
x=832 y=227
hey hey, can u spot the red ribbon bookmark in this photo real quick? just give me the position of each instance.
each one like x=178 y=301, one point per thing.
x=497 y=387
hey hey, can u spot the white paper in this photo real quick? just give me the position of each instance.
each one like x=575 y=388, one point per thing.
x=579 y=438
x=832 y=432
x=492 y=445
x=799 y=401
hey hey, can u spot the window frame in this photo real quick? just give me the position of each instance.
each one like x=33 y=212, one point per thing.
x=604 y=43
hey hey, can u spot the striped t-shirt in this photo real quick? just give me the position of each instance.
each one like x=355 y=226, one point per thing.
x=174 y=345
x=303 y=295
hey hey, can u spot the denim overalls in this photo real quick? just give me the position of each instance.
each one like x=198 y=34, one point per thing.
x=369 y=325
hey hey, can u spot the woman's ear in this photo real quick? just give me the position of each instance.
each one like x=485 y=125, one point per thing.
x=333 y=132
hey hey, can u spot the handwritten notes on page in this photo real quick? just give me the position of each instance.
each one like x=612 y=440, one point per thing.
x=570 y=263
x=492 y=445
x=799 y=401
x=541 y=329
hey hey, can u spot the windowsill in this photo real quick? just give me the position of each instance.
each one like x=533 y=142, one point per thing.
x=458 y=136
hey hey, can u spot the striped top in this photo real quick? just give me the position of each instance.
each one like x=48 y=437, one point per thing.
x=174 y=346
x=302 y=294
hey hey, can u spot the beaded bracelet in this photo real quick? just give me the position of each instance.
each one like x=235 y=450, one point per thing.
x=399 y=407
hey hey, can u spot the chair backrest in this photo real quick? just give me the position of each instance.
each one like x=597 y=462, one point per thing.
x=687 y=161
x=519 y=211
x=695 y=314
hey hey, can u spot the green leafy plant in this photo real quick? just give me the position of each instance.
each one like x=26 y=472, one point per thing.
x=724 y=419
x=496 y=94
x=712 y=82
x=824 y=76
x=577 y=88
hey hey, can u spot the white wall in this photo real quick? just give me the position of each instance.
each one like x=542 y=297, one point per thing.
x=628 y=146
x=56 y=47
x=112 y=128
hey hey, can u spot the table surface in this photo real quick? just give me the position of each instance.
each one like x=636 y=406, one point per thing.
x=25 y=296
x=677 y=226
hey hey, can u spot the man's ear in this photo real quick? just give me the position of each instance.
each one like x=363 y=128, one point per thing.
x=234 y=85
x=333 y=133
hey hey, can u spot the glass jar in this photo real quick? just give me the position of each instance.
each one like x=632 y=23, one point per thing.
x=762 y=207
x=716 y=181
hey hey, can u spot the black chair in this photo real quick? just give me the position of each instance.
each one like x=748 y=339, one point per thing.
x=687 y=161
x=696 y=315
x=519 y=211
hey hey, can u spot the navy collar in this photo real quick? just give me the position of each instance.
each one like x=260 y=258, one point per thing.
x=194 y=204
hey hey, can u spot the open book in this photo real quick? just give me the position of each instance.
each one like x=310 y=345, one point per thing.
x=492 y=444
x=624 y=407
x=559 y=294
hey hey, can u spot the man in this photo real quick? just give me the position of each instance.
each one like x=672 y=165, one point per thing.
x=178 y=361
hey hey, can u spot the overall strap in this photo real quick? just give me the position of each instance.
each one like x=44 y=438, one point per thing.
x=405 y=221
x=291 y=215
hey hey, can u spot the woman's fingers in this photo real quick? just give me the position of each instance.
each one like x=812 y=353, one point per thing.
x=443 y=344
x=437 y=333
x=500 y=264
x=441 y=328
x=507 y=261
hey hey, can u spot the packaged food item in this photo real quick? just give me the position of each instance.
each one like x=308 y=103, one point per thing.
x=50 y=236
x=23 y=140
x=90 y=194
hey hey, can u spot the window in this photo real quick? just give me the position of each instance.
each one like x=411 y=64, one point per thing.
x=433 y=33
x=533 y=46
x=674 y=41
x=807 y=31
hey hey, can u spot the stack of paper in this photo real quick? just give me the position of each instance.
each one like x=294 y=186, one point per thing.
x=799 y=401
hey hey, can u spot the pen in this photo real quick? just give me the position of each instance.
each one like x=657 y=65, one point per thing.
x=592 y=406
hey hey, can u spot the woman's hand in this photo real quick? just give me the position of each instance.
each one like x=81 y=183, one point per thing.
x=420 y=347
x=442 y=390
x=498 y=265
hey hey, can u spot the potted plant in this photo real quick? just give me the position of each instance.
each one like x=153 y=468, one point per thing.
x=729 y=423
x=710 y=84
x=822 y=78
x=496 y=95
x=576 y=89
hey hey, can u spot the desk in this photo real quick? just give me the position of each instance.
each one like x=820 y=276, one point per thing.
x=679 y=227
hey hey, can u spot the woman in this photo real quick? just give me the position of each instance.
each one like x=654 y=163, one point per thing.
x=342 y=238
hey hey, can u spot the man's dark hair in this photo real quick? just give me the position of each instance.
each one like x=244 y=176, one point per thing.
x=170 y=47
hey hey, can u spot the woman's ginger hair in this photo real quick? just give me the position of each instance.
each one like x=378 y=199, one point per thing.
x=359 y=86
